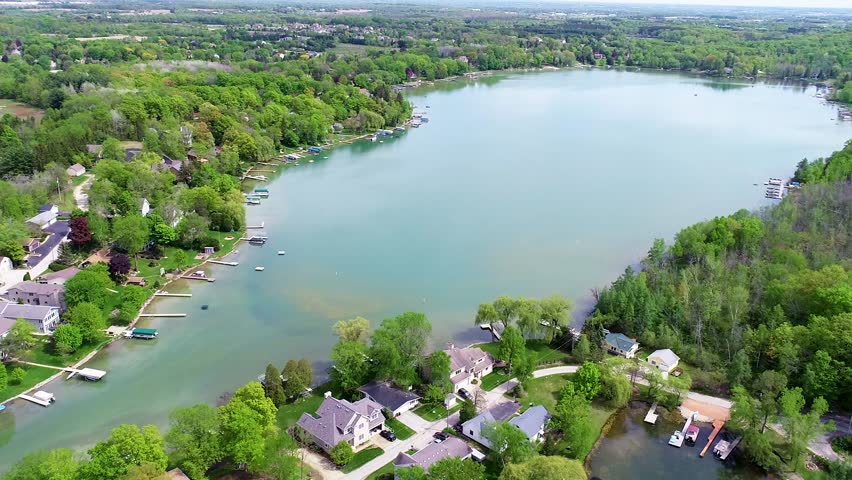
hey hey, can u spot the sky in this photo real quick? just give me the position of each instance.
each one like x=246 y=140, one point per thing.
x=746 y=3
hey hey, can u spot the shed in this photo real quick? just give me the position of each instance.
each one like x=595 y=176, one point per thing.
x=75 y=170
x=665 y=359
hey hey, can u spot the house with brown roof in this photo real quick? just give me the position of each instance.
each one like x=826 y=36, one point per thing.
x=434 y=452
x=342 y=421
x=468 y=364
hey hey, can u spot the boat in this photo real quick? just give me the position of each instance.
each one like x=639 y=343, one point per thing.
x=691 y=434
x=281 y=252
x=2 y=407
x=45 y=396
x=374 y=138
x=198 y=274
x=676 y=440
x=259 y=269
x=143 y=333
x=205 y=306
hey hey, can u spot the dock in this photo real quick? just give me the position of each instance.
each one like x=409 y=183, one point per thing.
x=167 y=294
x=258 y=178
x=89 y=374
x=220 y=262
x=724 y=448
x=166 y=315
x=40 y=398
x=717 y=427
x=191 y=277
x=255 y=227
x=651 y=417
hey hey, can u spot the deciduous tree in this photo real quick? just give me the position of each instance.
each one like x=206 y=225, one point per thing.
x=67 y=338
x=131 y=234
x=512 y=346
x=57 y=464
x=509 y=444
x=119 y=265
x=545 y=468
x=194 y=439
x=355 y=330
x=128 y=445
x=273 y=386
x=19 y=340
x=247 y=420
x=341 y=454
x=349 y=365
x=89 y=319
x=454 y=468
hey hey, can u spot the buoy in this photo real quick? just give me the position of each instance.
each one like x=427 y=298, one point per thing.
x=205 y=306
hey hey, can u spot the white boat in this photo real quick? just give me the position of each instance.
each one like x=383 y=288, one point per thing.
x=676 y=440
x=259 y=269
x=281 y=252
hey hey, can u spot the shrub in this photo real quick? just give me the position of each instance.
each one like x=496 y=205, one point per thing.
x=16 y=376
x=341 y=454
x=843 y=444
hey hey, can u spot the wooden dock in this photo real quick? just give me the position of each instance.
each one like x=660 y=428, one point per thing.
x=717 y=427
x=206 y=279
x=651 y=417
x=167 y=294
x=220 y=262
x=164 y=315
x=259 y=179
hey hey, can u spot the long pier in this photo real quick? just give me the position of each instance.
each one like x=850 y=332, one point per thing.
x=167 y=294
x=206 y=279
x=165 y=315
x=717 y=427
x=37 y=401
x=220 y=262
x=651 y=417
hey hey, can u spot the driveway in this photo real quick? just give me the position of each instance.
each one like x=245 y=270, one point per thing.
x=80 y=193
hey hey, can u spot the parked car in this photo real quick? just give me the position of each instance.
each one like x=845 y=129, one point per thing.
x=440 y=437
x=465 y=394
x=388 y=435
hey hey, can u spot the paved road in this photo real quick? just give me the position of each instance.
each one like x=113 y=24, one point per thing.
x=80 y=193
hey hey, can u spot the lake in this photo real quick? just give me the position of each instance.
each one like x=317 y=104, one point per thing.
x=643 y=452
x=523 y=184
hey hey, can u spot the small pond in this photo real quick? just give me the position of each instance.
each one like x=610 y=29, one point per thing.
x=634 y=450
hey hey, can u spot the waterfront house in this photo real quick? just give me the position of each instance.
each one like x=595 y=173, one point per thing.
x=473 y=428
x=342 y=421
x=620 y=344
x=666 y=360
x=395 y=400
x=468 y=364
x=434 y=452
x=75 y=170
x=43 y=219
x=43 y=318
x=34 y=293
x=532 y=422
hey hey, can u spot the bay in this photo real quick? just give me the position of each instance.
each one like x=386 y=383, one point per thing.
x=520 y=184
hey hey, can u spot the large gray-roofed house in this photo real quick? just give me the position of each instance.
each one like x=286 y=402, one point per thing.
x=473 y=428
x=451 y=447
x=340 y=420
x=43 y=318
x=394 y=399
x=532 y=422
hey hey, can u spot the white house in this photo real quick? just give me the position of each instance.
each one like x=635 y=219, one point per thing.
x=665 y=359
x=468 y=364
x=532 y=422
x=43 y=219
x=43 y=318
x=343 y=421
x=620 y=344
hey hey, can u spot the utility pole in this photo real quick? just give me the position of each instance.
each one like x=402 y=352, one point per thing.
x=58 y=191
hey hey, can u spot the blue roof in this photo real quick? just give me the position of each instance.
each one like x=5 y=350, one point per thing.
x=620 y=341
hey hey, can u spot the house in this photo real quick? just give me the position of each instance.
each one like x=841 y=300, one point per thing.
x=473 y=428
x=146 y=207
x=621 y=344
x=75 y=170
x=532 y=422
x=60 y=277
x=48 y=207
x=666 y=360
x=5 y=325
x=43 y=318
x=139 y=281
x=96 y=150
x=176 y=474
x=8 y=274
x=192 y=154
x=343 y=421
x=434 y=452
x=468 y=364
x=32 y=293
x=395 y=400
x=30 y=245
x=169 y=165
x=43 y=219
x=130 y=153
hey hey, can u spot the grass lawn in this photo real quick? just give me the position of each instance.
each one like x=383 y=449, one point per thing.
x=544 y=391
x=434 y=413
x=361 y=458
x=76 y=181
x=44 y=353
x=354 y=49
x=34 y=376
x=490 y=381
x=381 y=474
x=401 y=430
x=542 y=351
x=289 y=413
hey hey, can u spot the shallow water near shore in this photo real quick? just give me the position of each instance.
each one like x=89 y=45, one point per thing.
x=633 y=450
x=524 y=184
